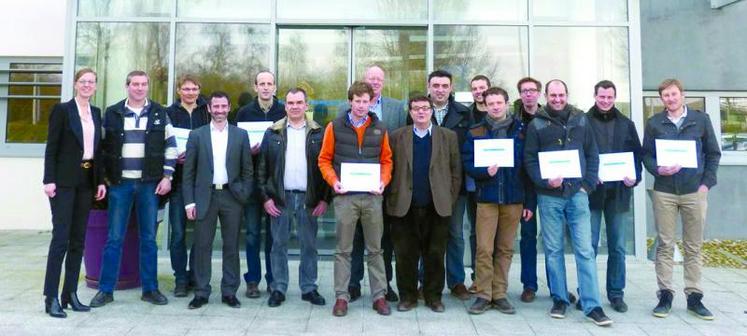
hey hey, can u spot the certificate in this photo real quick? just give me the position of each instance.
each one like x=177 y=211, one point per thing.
x=676 y=152
x=360 y=176
x=563 y=163
x=181 y=135
x=256 y=130
x=616 y=166
x=489 y=152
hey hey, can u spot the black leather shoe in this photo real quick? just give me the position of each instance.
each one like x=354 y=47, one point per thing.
x=276 y=298
x=391 y=295
x=314 y=297
x=101 y=299
x=52 y=307
x=155 y=297
x=231 y=301
x=355 y=293
x=197 y=302
x=72 y=299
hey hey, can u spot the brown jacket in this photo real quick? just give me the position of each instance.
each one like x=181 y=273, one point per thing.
x=445 y=171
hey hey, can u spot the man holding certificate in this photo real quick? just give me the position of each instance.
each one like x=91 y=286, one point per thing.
x=501 y=183
x=674 y=139
x=619 y=171
x=562 y=159
x=353 y=144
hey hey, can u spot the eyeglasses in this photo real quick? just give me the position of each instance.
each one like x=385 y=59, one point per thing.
x=86 y=82
x=527 y=91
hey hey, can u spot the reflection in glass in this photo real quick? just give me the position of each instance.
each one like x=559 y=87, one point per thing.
x=224 y=57
x=582 y=56
x=653 y=105
x=400 y=52
x=734 y=124
x=497 y=52
x=115 y=49
x=123 y=8
x=478 y=10
x=243 y=9
x=581 y=10
x=352 y=9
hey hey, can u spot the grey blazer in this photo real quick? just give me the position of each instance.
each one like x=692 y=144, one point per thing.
x=393 y=112
x=198 y=167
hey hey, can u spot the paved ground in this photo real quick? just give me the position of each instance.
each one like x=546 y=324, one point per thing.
x=23 y=257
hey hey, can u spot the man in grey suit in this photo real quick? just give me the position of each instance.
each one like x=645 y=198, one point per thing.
x=217 y=182
x=392 y=112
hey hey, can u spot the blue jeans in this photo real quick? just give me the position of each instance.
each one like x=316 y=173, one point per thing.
x=528 y=251
x=615 y=246
x=555 y=213
x=121 y=198
x=253 y=213
x=306 y=226
x=455 y=246
x=177 y=239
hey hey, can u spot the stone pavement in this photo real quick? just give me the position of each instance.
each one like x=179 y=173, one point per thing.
x=23 y=259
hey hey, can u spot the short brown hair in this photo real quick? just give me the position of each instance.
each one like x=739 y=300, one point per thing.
x=134 y=73
x=188 y=78
x=669 y=82
x=495 y=91
x=359 y=88
x=82 y=72
x=528 y=80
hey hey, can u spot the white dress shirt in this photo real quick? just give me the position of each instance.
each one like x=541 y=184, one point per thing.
x=294 y=176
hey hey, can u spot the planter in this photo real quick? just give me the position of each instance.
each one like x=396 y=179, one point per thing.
x=96 y=234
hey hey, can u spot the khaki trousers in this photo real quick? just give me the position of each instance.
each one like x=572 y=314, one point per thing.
x=496 y=229
x=692 y=209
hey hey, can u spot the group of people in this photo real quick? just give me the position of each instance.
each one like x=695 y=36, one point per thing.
x=425 y=154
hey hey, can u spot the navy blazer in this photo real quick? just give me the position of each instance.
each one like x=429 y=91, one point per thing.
x=64 y=150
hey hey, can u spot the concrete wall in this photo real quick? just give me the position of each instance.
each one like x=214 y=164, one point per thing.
x=33 y=28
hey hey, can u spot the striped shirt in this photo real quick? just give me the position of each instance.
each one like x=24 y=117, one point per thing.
x=133 y=148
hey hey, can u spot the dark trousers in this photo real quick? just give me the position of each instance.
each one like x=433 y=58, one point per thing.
x=356 y=268
x=421 y=233
x=70 y=208
x=223 y=205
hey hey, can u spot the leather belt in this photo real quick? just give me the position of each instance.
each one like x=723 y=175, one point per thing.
x=220 y=186
x=86 y=164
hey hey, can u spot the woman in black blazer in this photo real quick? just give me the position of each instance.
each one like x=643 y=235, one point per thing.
x=72 y=174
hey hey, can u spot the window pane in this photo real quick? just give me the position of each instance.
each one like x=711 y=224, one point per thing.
x=581 y=10
x=28 y=120
x=496 y=10
x=653 y=105
x=582 y=56
x=734 y=124
x=115 y=49
x=400 y=52
x=352 y=9
x=497 y=52
x=210 y=51
x=124 y=8
x=235 y=9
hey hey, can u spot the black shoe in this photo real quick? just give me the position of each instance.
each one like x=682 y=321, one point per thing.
x=197 y=302
x=155 y=297
x=503 y=306
x=695 y=306
x=558 y=309
x=276 y=298
x=101 y=299
x=72 y=299
x=355 y=293
x=52 y=307
x=180 y=291
x=231 y=301
x=665 y=304
x=571 y=298
x=479 y=306
x=598 y=317
x=619 y=305
x=252 y=290
x=314 y=297
x=391 y=295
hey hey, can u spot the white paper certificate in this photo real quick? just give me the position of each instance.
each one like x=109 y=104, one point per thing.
x=494 y=151
x=360 y=176
x=676 y=152
x=563 y=163
x=616 y=166
x=181 y=135
x=256 y=130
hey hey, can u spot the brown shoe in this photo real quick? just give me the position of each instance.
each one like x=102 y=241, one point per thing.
x=404 y=306
x=252 y=290
x=527 y=295
x=460 y=292
x=472 y=289
x=340 y=308
x=436 y=306
x=381 y=306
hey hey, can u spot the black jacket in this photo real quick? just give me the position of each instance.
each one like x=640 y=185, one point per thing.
x=546 y=133
x=696 y=126
x=182 y=119
x=625 y=139
x=272 y=164
x=64 y=150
